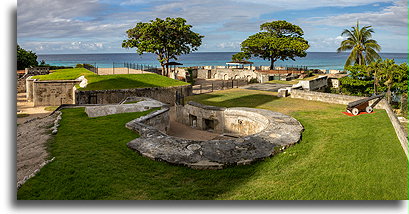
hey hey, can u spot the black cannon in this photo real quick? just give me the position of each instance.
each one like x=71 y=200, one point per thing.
x=363 y=104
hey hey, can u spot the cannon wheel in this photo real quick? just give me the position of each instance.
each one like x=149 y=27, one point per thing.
x=369 y=109
x=355 y=111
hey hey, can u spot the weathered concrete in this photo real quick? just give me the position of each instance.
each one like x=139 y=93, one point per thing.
x=53 y=93
x=330 y=98
x=143 y=105
x=315 y=84
x=276 y=131
x=162 y=94
x=196 y=115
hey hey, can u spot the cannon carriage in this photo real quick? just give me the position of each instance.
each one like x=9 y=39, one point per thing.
x=362 y=105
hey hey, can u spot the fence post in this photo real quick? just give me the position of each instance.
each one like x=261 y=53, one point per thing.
x=113 y=68
x=222 y=84
x=200 y=89
x=212 y=86
x=232 y=83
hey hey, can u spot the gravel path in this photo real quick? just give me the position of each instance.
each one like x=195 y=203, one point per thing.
x=32 y=137
x=33 y=132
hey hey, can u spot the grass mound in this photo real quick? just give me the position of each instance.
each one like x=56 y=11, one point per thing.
x=65 y=74
x=123 y=81
x=107 y=82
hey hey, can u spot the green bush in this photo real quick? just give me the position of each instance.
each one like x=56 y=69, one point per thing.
x=25 y=59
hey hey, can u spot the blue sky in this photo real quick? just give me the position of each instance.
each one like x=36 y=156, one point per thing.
x=98 y=26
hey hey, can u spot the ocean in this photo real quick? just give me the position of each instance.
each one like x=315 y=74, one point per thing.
x=313 y=60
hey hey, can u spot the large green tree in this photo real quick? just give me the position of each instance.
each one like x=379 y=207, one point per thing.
x=280 y=40
x=167 y=38
x=379 y=76
x=394 y=77
x=363 y=48
x=25 y=58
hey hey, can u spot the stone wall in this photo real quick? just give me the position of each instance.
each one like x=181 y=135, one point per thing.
x=53 y=93
x=162 y=94
x=220 y=120
x=29 y=89
x=400 y=131
x=228 y=74
x=243 y=123
x=280 y=132
x=143 y=104
x=314 y=84
x=37 y=71
x=21 y=85
x=199 y=116
x=330 y=98
x=158 y=119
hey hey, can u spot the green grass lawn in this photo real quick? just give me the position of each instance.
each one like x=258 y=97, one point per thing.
x=339 y=157
x=65 y=74
x=118 y=81
x=122 y=81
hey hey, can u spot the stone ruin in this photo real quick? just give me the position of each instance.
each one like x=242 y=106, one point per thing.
x=247 y=135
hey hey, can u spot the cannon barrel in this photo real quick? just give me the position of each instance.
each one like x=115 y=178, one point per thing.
x=367 y=99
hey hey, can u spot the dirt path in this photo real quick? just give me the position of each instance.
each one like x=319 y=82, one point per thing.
x=24 y=107
x=33 y=132
x=32 y=137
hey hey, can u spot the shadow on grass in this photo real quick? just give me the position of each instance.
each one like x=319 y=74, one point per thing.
x=250 y=101
x=332 y=161
x=93 y=162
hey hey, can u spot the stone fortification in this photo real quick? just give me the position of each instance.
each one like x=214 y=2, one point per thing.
x=262 y=133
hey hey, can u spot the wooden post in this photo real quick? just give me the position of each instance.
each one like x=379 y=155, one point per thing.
x=212 y=86
x=232 y=83
x=200 y=89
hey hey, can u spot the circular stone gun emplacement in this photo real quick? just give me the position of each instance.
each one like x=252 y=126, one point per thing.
x=273 y=133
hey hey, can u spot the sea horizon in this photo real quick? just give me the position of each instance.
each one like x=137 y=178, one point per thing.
x=313 y=60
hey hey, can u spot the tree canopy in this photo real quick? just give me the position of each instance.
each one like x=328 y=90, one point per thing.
x=167 y=39
x=363 y=48
x=280 y=40
x=240 y=56
x=25 y=58
x=379 y=76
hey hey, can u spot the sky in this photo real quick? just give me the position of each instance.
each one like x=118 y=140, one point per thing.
x=99 y=26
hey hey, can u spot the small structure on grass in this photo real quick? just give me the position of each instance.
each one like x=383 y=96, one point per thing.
x=239 y=64
x=363 y=105
x=246 y=135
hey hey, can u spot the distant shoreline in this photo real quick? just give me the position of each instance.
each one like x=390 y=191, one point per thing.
x=43 y=54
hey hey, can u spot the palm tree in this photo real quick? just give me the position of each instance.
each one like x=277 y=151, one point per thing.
x=389 y=74
x=373 y=69
x=363 y=47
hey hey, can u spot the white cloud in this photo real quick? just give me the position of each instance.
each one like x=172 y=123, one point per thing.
x=222 y=22
x=64 y=46
x=309 y=4
x=325 y=43
x=229 y=45
x=390 y=17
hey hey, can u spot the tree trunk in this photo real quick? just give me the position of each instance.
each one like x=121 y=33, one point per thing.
x=272 y=64
x=163 y=70
x=389 y=95
x=374 y=83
